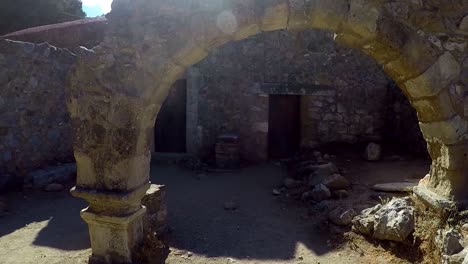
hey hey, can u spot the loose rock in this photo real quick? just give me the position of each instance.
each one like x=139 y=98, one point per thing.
x=336 y=182
x=156 y=209
x=320 y=172
x=373 y=152
x=342 y=216
x=393 y=221
x=306 y=196
x=448 y=242
x=320 y=193
x=364 y=223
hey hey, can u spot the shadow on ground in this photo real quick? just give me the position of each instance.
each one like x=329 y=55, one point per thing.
x=65 y=229
x=261 y=228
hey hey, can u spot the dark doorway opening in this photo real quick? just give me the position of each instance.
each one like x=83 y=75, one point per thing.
x=284 y=126
x=170 y=128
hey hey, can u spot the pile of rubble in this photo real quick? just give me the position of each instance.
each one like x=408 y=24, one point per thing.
x=315 y=178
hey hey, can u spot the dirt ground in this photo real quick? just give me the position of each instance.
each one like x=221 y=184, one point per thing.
x=45 y=228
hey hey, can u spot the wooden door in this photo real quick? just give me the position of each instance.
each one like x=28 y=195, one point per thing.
x=284 y=126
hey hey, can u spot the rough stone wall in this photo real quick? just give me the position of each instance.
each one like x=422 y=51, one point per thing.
x=344 y=92
x=34 y=123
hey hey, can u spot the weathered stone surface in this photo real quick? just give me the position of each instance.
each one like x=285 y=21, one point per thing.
x=320 y=193
x=395 y=186
x=34 y=124
x=318 y=173
x=373 y=152
x=156 y=208
x=364 y=222
x=456 y=258
x=448 y=242
x=437 y=77
x=449 y=132
x=393 y=221
x=342 y=216
x=437 y=108
x=57 y=174
x=438 y=202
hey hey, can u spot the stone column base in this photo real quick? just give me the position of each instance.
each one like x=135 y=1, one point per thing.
x=113 y=238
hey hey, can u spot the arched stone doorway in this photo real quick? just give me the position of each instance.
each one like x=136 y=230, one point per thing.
x=117 y=88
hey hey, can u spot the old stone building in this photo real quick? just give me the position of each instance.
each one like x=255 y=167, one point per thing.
x=333 y=94
x=336 y=95
x=268 y=71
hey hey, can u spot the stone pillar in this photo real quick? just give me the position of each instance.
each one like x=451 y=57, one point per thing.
x=448 y=174
x=112 y=138
x=113 y=163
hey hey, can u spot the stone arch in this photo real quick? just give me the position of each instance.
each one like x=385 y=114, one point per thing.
x=118 y=87
x=421 y=70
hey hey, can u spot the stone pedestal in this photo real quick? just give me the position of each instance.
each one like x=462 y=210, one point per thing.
x=115 y=222
x=114 y=238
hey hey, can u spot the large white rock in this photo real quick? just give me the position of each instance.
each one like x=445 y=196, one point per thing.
x=393 y=221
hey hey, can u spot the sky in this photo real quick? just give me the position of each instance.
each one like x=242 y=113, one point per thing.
x=94 y=8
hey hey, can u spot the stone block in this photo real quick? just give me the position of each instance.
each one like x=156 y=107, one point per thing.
x=156 y=208
x=328 y=15
x=449 y=132
x=363 y=17
x=275 y=16
x=452 y=157
x=437 y=77
x=437 y=108
x=114 y=238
